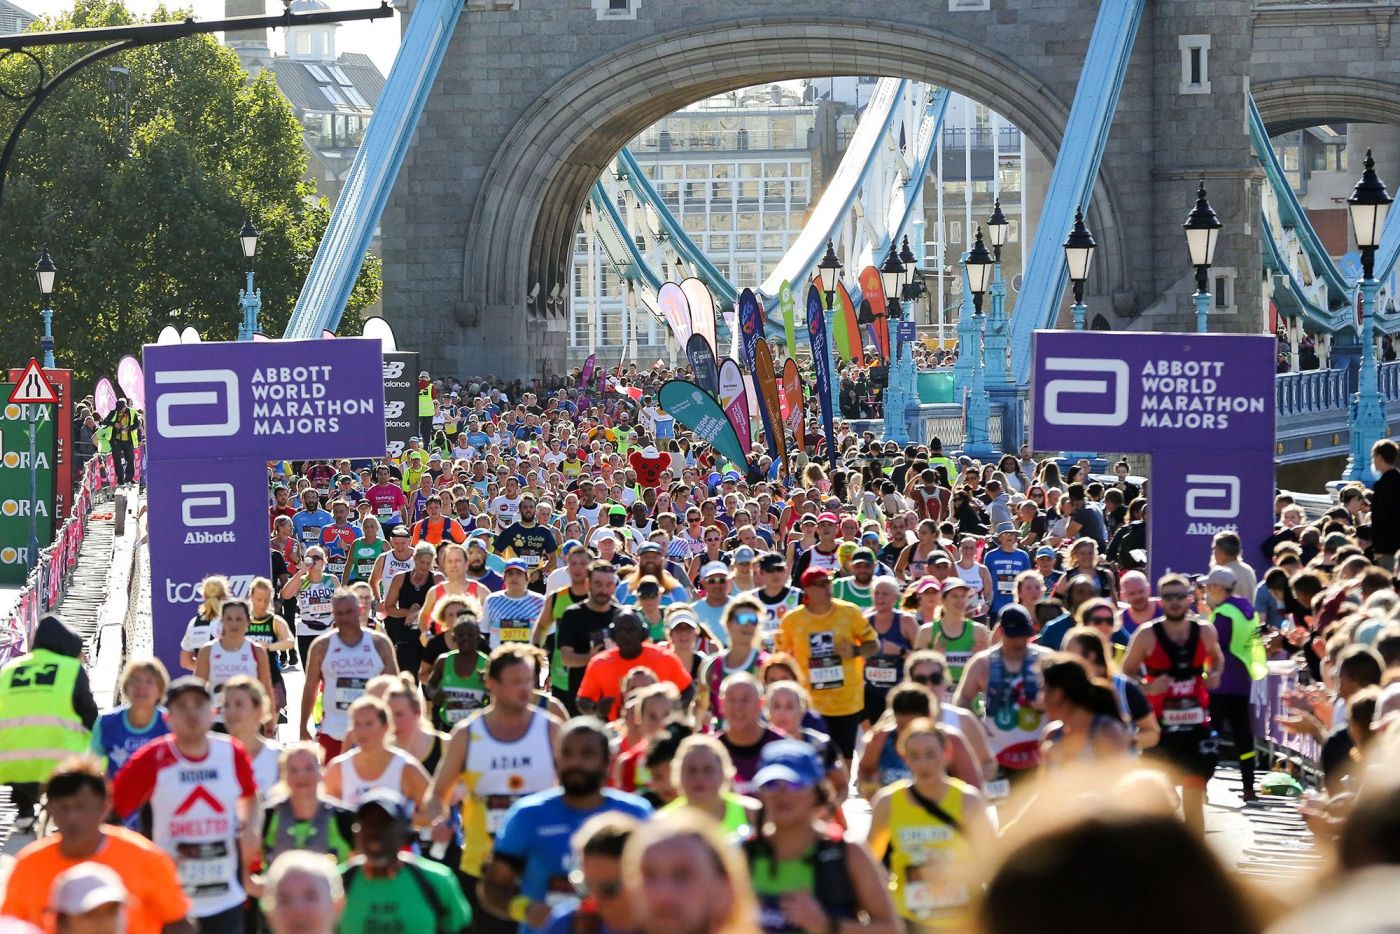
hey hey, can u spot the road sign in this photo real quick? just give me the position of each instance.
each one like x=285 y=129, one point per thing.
x=33 y=387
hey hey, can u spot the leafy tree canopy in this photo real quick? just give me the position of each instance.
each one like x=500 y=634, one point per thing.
x=138 y=183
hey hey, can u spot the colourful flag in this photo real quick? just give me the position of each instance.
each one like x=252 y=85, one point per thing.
x=699 y=411
x=787 y=306
x=794 y=403
x=816 y=333
x=766 y=382
x=874 y=291
x=734 y=401
x=702 y=363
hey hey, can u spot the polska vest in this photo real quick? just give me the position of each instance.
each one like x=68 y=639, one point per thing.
x=38 y=726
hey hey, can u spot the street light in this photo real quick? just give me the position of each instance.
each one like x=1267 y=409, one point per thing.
x=828 y=273
x=994 y=343
x=997 y=226
x=1202 y=231
x=1368 y=206
x=979 y=270
x=45 y=272
x=1079 y=254
x=892 y=280
x=248 y=299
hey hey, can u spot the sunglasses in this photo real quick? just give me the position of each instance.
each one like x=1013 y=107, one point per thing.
x=933 y=680
x=1175 y=596
x=746 y=619
x=716 y=580
x=711 y=541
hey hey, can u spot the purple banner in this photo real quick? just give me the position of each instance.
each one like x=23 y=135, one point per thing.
x=1202 y=405
x=702 y=362
x=750 y=327
x=1194 y=497
x=210 y=518
x=821 y=362
x=289 y=399
x=218 y=412
x=1093 y=390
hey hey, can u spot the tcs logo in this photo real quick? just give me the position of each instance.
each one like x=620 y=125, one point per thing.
x=1100 y=384
x=1212 y=496
x=219 y=414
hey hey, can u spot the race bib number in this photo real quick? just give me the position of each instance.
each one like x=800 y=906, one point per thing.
x=827 y=673
x=347 y=691
x=515 y=633
x=204 y=868
x=881 y=673
x=1006 y=586
x=496 y=808
x=1189 y=716
x=530 y=560
x=935 y=896
x=998 y=788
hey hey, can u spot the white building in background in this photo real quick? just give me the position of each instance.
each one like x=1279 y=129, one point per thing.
x=740 y=171
x=14 y=18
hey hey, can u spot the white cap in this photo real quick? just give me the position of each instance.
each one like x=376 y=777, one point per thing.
x=85 y=887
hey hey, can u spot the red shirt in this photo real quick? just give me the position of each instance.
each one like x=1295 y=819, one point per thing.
x=602 y=679
x=136 y=781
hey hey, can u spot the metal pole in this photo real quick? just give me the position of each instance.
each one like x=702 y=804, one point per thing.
x=47 y=342
x=33 y=486
x=1367 y=421
x=1079 y=311
x=1202 y=300
x=251 y=302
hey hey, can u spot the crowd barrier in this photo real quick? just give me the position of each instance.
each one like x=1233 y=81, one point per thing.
x=1266 y=706
x=47 y=583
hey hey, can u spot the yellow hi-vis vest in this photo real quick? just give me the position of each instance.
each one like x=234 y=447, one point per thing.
x=1245 y=643
x=38 y=726
x=425 y=403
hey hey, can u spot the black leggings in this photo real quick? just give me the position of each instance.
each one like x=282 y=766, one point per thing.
x=1232 y=711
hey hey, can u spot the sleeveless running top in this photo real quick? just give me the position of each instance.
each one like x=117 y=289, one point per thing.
x=735 y=822
x=892 y=767
x=354 y=786
x=1012 y=718
x=461 y=695
x=263 y=631
x=972 y=577
x=345 y=670
x=411 y=594
x=393 y=567
x=498 y=774
x=958 y=650
x=1186 y=702
x=314 y=606
x=719 y=671
x=929 y=857
x=884 y=670
x=225 y=664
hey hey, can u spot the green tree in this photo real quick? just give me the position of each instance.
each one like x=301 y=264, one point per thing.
x=138 y=186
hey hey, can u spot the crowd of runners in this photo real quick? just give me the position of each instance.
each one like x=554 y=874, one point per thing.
x=545 y=672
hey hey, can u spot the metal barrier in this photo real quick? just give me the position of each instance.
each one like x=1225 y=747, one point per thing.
x=1266 y=706
x=1311 y=391
x=47 y=583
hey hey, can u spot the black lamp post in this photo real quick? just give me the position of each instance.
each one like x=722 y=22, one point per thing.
x=1079 y=254
x=1202 y=231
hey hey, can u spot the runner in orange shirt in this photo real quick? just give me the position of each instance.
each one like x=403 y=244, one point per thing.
x=600 y=693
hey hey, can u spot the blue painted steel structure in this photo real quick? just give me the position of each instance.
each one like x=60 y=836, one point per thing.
x=376 y=166
x=1072 y=181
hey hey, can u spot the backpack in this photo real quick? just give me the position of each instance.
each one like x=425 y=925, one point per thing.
x=831 y=881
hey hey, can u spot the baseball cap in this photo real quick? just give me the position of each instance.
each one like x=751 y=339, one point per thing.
x=1005 y=527
x=939 y=558
x=569 y=546
x=401 y=531
x=84 y=887
x=828 y=517
x=344 y=478
x=1222 y=577
x=388 y=801
x=1045 y=551
x=788 y=760
x=732 y=476
x=1335 y=540
x=814 y=576
x=649 y=548
x=863 y=555
x=869 y=534
x=617 y=510
x=927 y=584
x=516 y=564
x=1015 y=622
x=185 y=685
x=772 y=561
x=714 y=568
x=681 y=614
x=648 y=582
x=954 y=583
x=744 y=554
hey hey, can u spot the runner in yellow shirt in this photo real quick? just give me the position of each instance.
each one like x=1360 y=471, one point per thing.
x=831 y=640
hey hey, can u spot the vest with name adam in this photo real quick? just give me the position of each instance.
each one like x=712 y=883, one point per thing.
x=38 y=725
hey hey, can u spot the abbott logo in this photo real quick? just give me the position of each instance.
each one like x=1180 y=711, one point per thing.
x=1212 y=496
x=221 y=382
x=393 y=369
x=206 y=504
x=1113 y=385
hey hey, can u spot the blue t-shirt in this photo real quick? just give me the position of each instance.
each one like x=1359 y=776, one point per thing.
x=116 y=740
x=1004 y=566
x=713 y=617
x=537 y=831
x=307 y=526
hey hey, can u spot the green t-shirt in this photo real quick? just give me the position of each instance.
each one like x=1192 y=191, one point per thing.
x=102 y=438
x=400 y=905
x=363 y=554
x=846 y=588
x=461 y=697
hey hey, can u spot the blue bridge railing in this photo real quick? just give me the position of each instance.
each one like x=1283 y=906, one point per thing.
x=1316 y=392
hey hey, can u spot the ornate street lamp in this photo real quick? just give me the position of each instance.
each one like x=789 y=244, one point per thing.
x=248 y=299
x=1079 y=254
x=45 y=272
x=1202 y=231
x=1368 y=206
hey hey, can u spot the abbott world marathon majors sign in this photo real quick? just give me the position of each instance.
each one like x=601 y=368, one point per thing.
x=1202 y=405
x=217 y=413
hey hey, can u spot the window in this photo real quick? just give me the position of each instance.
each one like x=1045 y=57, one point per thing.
x=303 y=43
x=955 y=231
x=317 y=73
x=339 y=75
x=1222 y=283
x=616 y=9
x=332 y=94
x=1195 y=64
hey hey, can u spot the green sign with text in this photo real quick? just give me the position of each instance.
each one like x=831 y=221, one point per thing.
x=14 y=484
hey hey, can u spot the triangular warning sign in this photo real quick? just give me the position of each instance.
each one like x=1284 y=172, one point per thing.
x=33 y=387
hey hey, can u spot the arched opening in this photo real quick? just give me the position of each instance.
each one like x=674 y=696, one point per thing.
x=534 y=190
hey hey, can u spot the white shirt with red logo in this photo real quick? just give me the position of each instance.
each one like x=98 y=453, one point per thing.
x=192 y=813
